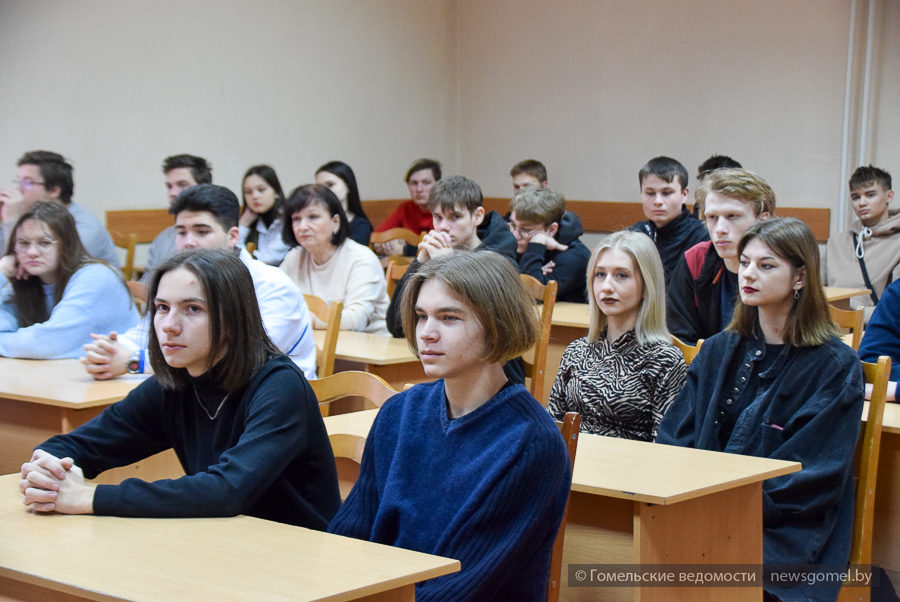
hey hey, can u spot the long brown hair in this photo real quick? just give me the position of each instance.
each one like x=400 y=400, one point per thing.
x=71 y=256
x=809 y=322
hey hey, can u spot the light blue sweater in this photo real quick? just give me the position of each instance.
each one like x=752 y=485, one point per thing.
x=95 y=300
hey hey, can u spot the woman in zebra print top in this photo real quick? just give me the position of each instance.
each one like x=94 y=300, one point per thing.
x=622 y=377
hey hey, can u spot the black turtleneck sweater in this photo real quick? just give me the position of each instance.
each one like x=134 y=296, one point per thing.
x=265 y=453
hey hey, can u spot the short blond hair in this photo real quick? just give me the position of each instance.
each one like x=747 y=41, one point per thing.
x=538 y=205
x=651 y=319
x=740 y=185
x=491 y=287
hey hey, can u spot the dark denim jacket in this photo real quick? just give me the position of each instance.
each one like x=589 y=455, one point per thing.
x=807 y=409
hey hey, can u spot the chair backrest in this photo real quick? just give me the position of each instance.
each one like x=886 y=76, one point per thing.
x=849 y=320
x=569 y=427
x=132 y=227
x=348 y=452
x=353 y=383
x=688 y=351
x=331 y=315
x=408 y=236
x=536 y=369
x=251 y=248
x=138 y=292
x=393 y=274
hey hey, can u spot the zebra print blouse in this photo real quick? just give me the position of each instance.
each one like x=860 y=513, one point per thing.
x=620 y=389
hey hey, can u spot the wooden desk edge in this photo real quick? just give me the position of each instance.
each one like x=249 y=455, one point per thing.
x=68 y=405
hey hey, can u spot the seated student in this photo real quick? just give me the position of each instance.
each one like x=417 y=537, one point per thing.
x=707 y=167
x=459 y=223
x=325 y=262
x=778 y=383
x=241 y=418
x=206 y=217
x=413 y=214
x=56 y=293
x=47 y=176
x=623 y=376
x=882 y=334
x=549 y=247
x=261 y=220
x=704 y=287
x=528 y=173
x=664 y=190
x=868 y=254
x=181 y=171
x=469 y=466
x=339 y=178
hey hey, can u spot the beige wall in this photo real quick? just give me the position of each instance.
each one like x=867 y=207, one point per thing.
x=593 y=88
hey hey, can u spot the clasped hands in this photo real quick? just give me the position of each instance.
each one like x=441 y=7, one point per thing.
x=51 y=484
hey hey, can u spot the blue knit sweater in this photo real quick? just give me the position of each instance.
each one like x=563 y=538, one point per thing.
x=95 y=300
x=487 y=489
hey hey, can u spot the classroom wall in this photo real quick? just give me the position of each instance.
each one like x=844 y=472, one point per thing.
x=118 y=86
x=593 y=89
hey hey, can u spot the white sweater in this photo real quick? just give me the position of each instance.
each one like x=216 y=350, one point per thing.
x=352 y=276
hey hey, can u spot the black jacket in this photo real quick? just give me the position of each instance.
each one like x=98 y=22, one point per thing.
x=570 y=265
x=673 y=239
x=694 y=305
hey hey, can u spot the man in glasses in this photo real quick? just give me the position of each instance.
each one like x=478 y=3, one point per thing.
x=47 y=176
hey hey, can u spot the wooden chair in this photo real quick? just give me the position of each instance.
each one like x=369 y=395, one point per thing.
x=132 y=227
x=850 y=320
x=353 y=383
x=569 y=428
x=879 y=375
x=688 y=351
x=331 y=315
x=393 y=274
x=348 y=452
x=535 y=370
x=408 y=236
x=138 y=292
x=251 y=248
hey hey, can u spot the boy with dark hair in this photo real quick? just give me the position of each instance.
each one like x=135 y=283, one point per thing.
x=414 y=214
x=528 y=173
x=868 y=254
x=181 y=171
x=664 y=191
x=459 y=223
x=549 y=247
x=47 y=176
x=707 y=167
x=704 y=287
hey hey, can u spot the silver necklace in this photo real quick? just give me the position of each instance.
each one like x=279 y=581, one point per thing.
x=219 y=409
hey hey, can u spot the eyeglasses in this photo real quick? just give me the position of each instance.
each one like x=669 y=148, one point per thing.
x=43 y=245
x=523 y=232
x=26 y=183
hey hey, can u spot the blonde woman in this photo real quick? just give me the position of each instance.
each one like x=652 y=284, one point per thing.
x=622 y=377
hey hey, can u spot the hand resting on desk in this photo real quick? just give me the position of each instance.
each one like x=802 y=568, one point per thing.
x=51 y=484
x=106 y=357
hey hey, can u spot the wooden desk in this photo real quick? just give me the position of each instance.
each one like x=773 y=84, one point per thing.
x=643 y=503
x=840 y=297
x=385 y=356
x=885 y=550
x=222 y=559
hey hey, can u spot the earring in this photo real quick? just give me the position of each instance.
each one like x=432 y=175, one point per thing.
x=796 y=293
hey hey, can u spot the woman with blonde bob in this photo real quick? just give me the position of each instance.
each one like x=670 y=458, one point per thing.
x=622 y=377
x=778 y=383
x=469 y=466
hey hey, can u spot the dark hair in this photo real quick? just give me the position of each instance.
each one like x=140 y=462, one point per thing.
x=55 y=170
x=866 y=176
x=491 y=287
x=716 y=162
x=271 y=178
x=217 y=200
x=532 y=167
x=344 y=172
x=666 y=169
x=303 y=196
x=236 y=329
x=455 y=192
x=200 y=168
x=28 y=294
x=421 y=164
x=809 y=321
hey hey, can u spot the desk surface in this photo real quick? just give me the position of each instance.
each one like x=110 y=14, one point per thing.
x=380 y=350
x=890 y=422
x=61 y=383
x=635 y=470
x=223 y=559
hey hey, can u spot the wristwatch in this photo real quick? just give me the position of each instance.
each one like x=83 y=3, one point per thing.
x=135 y=363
